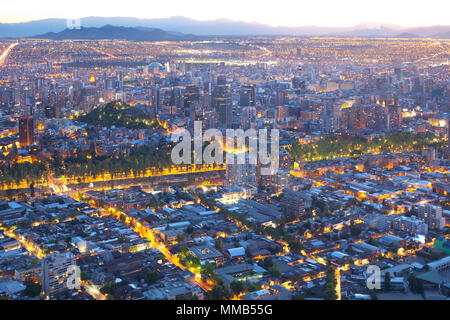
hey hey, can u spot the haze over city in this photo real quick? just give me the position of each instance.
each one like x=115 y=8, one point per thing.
x=289 y=13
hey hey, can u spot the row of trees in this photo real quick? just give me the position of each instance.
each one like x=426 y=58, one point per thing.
x=334 y=146
x=138 y=160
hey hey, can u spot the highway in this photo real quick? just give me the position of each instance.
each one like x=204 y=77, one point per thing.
x=6 y=53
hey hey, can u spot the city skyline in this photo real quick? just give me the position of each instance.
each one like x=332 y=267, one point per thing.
x=174 y=159
x=286 y=13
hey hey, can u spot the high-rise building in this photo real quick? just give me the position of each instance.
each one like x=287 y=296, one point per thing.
x=155 y=97
x=432 y=215
x=191 y=97
x=293 y=203
x=281 y=98
x=395 y=115
x=410 y=224
x=26 y=131
x=448 y=135
x=241 y=174
x=398 y=73
x=221 y=100
x=298 y=84
x=221 y=80
x=51 y=111
x=54 y=268
x=247 y=96
x=119 y=80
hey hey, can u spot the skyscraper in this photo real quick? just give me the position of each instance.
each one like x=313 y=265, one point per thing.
x=221 y=100
x=191 y=97
x=26 y=131
x=247 y=96
x=395 y=115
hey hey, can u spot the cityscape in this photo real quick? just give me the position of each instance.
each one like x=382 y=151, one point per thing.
x=94 y=207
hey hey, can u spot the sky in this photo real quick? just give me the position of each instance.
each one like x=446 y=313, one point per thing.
x=337 y=13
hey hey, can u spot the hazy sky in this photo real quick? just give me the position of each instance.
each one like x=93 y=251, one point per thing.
x=272 y=12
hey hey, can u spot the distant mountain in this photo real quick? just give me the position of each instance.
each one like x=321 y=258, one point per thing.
x=110 y=32
x=443 y=35
x=26 y=29
x=407 y=35
x=220 y=27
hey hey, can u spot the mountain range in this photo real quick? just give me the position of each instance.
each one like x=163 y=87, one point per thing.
x=110 y=32
x=219 y=27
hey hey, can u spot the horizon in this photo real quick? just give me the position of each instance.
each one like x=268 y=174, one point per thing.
x=369 y=24
x=348 y=13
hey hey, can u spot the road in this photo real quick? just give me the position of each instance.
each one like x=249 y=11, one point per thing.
x=6 y=53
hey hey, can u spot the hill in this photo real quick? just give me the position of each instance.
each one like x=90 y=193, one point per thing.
x=120 y=115
x=109 y=32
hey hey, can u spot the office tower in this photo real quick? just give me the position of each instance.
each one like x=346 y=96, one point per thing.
x=298 y=84
x=448 y=135
x=26 y=131
x=119 y=80
x=221 y=80
x=54 y=268
x=51 y=111
x=243 y=175
x=282 y=112
x=191 y=98
x=7 y=96
x=177 y=97
x=417 y=85
x=77 y=91
x=398 y=73
x=247 y=96
x=395 y=115
x=248 y=117
x=329 y=123
x=281 y=98
x=155 y=97
x=293 y=203
x=110 y=83
x=221 y=100
x=354 y=117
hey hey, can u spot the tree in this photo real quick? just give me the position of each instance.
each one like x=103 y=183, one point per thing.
x=237 y=286
x=266 y=263
x=330 y=292
x=330 y=285
x=219 y=244
x=254 y=286
x=416 y=285
x=207 y=270
x=274 y=271
x=83 y=276
x=219 y=292
x=32 y=289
